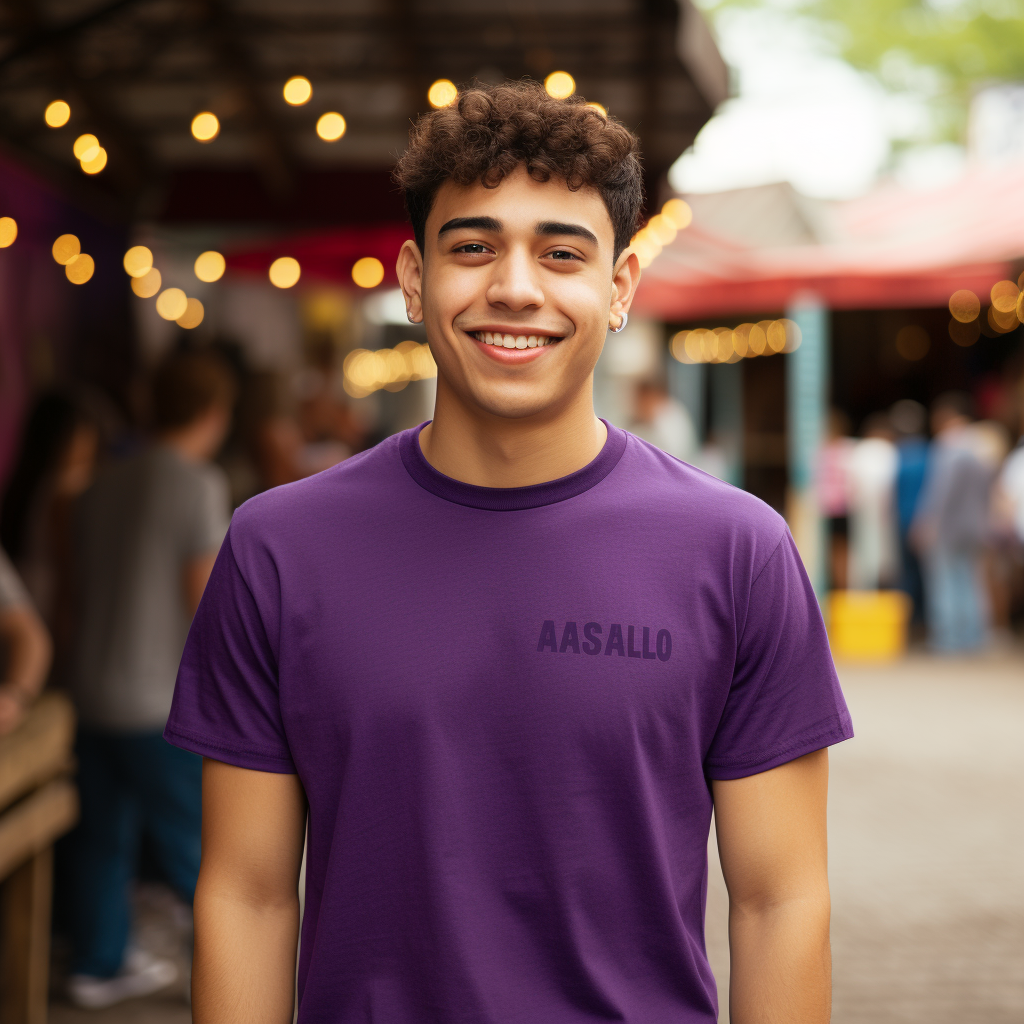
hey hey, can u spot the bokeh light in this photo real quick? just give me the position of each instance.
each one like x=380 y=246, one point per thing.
x=442 y=94
x=964 y=333
x=57 y=114
x=193 y=315
x=368 y=272
x=331 y=126
x=8 y=231
x=599 y=108
x=210 y=266
x=171 y=303
x=560 y=85
x=678 y=212
x=297 y=90
x=66 y=248
x=1020 y=306
x=138 y=261
x=205 y=126
x=731 y=344
x=912 y=342
x=285 y=272
x=80 y=269
x=148 y=285
x=1002 y=322
x=86 y=147
x=366 y=371
x=1004 y=296
x=96 y=163
x=662 y=229
x=964 y=305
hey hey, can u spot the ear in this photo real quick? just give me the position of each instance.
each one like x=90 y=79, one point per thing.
x=410 y=279
x=625 y=278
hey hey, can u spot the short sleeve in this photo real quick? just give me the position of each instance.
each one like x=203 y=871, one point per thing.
x=12 y=590
x=210 y=513
x=785 y=699
x=226 y=696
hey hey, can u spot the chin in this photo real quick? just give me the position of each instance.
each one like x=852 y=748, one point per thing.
x=516 y=403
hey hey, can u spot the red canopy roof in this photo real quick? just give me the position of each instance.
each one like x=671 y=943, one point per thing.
x=893 y=248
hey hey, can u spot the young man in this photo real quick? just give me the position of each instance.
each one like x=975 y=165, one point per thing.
x=509 y=661
x=147 y=533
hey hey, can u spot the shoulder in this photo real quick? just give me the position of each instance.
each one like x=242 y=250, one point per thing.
x=724 y=519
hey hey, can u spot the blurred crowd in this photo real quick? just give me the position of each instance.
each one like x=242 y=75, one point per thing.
x=930 y=502
x=109 y=532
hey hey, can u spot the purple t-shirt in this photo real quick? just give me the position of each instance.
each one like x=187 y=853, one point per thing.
x=505 y=706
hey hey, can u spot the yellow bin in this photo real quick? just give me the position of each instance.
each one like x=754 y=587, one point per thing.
x=867 y=625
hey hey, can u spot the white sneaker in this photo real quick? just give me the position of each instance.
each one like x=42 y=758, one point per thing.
x=142 y=975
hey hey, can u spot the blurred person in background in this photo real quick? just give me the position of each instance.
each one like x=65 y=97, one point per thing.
x=55 y=464
x=909 y=420
x=147 y=533
x=951 y=527
x=25 y=649
x=833 y=484
x=663 y=420
x=872 y=469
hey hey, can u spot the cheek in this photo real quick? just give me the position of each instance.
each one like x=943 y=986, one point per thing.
x=582 y=298
x=452 y=289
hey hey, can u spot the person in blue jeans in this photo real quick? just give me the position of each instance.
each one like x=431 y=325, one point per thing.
x=146 y=536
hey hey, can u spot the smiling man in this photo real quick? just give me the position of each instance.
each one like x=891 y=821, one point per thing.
x=509 y=662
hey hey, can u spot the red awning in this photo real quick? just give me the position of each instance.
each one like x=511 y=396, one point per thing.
x=894 y=248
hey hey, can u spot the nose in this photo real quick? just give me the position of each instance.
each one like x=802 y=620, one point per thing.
x=515 y=282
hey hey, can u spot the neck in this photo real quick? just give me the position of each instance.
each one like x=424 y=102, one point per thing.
x=478 y=447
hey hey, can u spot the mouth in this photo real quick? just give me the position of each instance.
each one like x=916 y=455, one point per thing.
x=497 y=339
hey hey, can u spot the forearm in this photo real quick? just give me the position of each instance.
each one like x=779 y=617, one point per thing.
x=28 y=651
x=244 y=964
x=781 y=963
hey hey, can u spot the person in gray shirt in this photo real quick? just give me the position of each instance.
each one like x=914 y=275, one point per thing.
x=25 y=649
x=146 y=536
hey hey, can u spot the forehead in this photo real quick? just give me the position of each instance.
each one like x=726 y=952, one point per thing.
x=520 y=203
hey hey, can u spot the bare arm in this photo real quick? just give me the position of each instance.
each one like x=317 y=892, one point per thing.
x=247 y=902
x=194 y=577
x=772 y=842
x=29 y=653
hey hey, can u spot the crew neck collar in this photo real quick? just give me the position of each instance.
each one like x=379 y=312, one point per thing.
x=509 y=499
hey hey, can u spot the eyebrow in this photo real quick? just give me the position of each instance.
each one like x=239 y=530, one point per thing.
x=483 y=223
x=554 y=227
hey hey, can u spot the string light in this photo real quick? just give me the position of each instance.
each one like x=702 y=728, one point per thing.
x=660 y=231
x=331 y=126
x=366 y=371
x=57 y=114
x=86 y=147
x=138 y=261
x=442 y=93
x=79 y=269
x=599 y=108
x=193 y=315
x=964 y=305
x=148 y=285
x=1004 y=295
x=210 y=266
x=297 y=90
x=205 y=126
x=964 y=333
x=560 y=85
x=678 y=212
x=368 y=272
x=171 y=303
x=1002 y=322
x=731 y=344
x=285 y=272
x=66 y=248
x=96 y=163
x=8 y=231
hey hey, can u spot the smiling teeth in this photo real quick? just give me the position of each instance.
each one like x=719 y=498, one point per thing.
x=514 y=341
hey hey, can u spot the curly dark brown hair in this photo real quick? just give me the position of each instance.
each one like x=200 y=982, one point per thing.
x=491 y=130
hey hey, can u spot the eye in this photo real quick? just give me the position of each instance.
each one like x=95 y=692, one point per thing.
x=563 y=254
x=473 y=249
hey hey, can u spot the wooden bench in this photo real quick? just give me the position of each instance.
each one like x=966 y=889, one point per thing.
x=38 y=803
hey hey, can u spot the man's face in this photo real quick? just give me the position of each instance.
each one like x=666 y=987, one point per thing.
x=516 y=289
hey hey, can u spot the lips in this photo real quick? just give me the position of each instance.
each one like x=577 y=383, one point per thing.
x=499 y=340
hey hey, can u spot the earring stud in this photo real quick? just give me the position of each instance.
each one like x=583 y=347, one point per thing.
x=622 y=324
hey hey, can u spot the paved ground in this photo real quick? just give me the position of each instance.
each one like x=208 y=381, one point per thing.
x=927 y=834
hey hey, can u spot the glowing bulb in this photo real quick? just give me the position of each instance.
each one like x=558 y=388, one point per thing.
x=662 y=229
x=600 y=109
x=297 y=90
x=368 y=272
x=138 y=261
x=8 y=231
x=964 y=305
x=171 y=303
x=96 y=162
x=66 y=248
x=1004 y=296
x=331 y=126
x=285 y=272
x=57 y=114
x=210 y=266
x=678 y=212
x=80 y=269
x=560 y=85
x=85 y=146
x=442 y=94
x=148 y=285
x=193 y=315
x=205 y=126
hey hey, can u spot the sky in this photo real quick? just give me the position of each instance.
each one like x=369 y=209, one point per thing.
x=801 y=114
